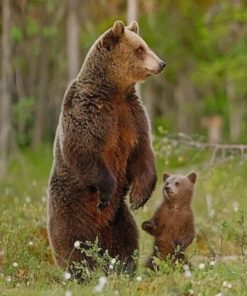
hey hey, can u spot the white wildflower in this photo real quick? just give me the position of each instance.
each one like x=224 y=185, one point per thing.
x=8 y=278
x=113 y=261
x=77 y=244
x=139 y=278
x=186 y=267
x=68 y=293
x=30 y=243
x=15 y=264
x=212 y=263
x=201 y=266
x=101 y=284
x=67 y=275
x=111 y=266
x=191 y=292
x=224 y=284
x=28 y=199
x=235 y=206
x=187 y=274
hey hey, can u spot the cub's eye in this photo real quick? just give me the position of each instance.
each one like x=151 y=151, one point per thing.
x=140 y=50
x=177 y=183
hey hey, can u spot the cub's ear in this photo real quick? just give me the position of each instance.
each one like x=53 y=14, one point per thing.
x=118 y=28
x=165 y=176
x=133 y=26
x=192 y=177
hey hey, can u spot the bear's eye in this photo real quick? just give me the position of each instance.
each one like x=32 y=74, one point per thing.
x=140 y=49
x=177 y=183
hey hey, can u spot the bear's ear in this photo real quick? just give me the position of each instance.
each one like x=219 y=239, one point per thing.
x=133 y=26
x=192 y=177
x=118 y=28
x=165 y=176
x=111 y=38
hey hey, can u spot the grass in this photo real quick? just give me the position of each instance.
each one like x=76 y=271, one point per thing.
x=220 y=203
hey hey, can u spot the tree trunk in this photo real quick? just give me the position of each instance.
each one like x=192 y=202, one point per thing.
x=41 y=104
x=131 y=10
x=184 y=95
x=5 y=104
x=73 y=49
x=132 y=16
x=236 y=112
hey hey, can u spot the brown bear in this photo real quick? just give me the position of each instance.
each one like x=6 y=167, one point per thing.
x=172 y=224
x=102 y=151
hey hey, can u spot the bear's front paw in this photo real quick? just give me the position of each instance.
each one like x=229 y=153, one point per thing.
x=106 y=190
x=104 y=200
x=137 y=201
x=142 y=189
x=148 y=225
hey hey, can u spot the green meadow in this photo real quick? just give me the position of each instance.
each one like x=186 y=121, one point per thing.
x=217 y=255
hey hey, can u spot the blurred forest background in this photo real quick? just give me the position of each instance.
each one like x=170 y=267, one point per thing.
x=203 y=89
x=198 y=111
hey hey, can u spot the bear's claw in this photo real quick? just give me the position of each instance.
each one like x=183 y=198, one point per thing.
x=136 y=204
x=102 y=205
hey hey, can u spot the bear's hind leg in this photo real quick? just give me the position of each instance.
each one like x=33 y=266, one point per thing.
x=121 y=239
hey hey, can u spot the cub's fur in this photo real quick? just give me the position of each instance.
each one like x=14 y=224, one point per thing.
x=172 y=225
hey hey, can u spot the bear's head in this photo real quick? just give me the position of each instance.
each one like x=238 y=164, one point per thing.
x=178 y=188
x=125 y=56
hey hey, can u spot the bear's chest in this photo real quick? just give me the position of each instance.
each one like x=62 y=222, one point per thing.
x=122 y=138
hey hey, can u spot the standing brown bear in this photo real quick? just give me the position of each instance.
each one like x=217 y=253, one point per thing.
x=172 y=224
x=102 y=150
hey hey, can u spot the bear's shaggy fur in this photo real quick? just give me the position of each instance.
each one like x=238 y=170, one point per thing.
x=102 y=150
x=172 y=225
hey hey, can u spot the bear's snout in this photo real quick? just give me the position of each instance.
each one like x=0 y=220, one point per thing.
x=167 y=188
x=162 y=65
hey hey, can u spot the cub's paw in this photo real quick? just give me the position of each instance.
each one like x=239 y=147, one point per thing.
x=147 y=225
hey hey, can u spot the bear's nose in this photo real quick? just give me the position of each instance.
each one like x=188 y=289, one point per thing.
x=167 y=188
x=162 y=65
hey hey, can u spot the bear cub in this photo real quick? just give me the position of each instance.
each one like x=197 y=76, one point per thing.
x=172 y=224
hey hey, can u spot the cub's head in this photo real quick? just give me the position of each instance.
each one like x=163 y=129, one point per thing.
x=178 y=187
x=127 y=55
